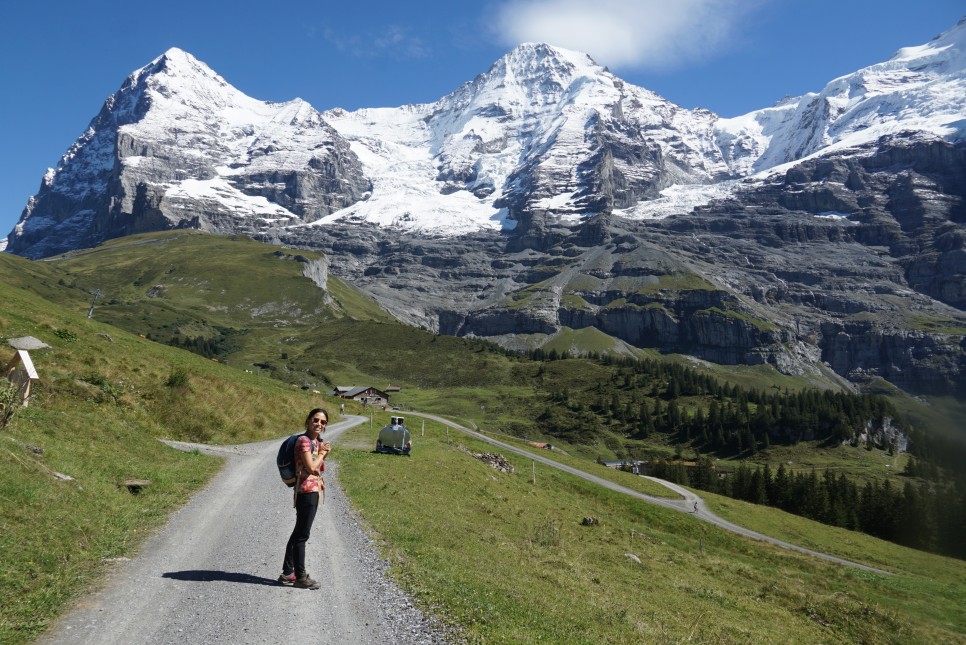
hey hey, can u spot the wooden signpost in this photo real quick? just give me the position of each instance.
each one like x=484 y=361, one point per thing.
x=21 y=372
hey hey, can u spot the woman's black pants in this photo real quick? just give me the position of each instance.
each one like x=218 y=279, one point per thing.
x=306 y=505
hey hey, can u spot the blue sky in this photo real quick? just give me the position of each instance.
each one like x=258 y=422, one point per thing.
x=59 y=60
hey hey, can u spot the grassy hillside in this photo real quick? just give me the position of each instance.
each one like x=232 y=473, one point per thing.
x=507 y=557
x=251 y=301
x=104 y=398
x=503 y=555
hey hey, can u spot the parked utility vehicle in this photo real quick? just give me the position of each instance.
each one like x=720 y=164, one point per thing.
x=394 y=438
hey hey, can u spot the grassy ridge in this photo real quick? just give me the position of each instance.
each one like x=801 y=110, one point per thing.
x=94 y=420
x=506 y=557
x=251 y=297
x=498 y=554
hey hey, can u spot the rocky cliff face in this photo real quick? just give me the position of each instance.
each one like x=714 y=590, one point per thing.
x=177 y=146
x=817 y=271
x=547 y=198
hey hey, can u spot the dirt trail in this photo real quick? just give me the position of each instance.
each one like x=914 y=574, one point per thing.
x=209 y=575
x=685 y=505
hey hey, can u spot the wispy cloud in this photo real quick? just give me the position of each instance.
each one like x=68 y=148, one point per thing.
x=644 y=34
x=393 y=41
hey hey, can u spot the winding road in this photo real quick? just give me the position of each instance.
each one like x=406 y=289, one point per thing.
x=687 y=504
x=209 y=576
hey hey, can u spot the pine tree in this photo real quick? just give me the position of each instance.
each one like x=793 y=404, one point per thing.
x=778 y=495
x=756 y=488
x=769 y=483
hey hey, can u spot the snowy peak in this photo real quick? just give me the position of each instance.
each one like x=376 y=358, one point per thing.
x=917 y=93
x=542 y=60
x=177 y=63
x=929 y=74
x=944 y=54
x=544 y=134
x=544 y=72
x=178 y=83
x=532 y=79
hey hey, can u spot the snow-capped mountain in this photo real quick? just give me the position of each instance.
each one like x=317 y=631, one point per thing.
x=825 y=232
x=544 y=131
x=535 y=132
x=178 y=146
x=918 y=92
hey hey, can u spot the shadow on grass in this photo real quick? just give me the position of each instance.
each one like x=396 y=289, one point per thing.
x=196 y=575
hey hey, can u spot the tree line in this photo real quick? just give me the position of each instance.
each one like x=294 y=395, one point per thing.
x=647 y=397
x=929 y=516
x=694 y=410
x=209 y=347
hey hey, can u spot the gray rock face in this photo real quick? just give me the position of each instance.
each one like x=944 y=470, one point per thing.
x=829 y=239
x=168 y=150
x=766 y=276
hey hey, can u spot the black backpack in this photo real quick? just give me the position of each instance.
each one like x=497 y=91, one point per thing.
x=286 y=460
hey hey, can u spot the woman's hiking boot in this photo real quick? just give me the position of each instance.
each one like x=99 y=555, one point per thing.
x=286 y=579
x=305 y=582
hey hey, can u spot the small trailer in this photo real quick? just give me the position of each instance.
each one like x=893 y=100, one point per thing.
x=394 y=438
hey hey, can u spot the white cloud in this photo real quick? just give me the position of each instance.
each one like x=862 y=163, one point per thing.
x=653 y=34
x=392 y=41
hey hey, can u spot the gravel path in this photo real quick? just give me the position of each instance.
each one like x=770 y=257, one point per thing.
x=209 y=575
x=689 y=502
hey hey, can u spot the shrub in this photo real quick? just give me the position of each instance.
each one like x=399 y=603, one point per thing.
x=66 y=335
x=9 y=400
x=177 y=378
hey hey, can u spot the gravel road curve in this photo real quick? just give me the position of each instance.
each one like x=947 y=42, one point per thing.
x=209 y=575
x=690 y=503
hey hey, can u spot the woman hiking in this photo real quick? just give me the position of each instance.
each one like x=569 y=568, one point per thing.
x=310 y=454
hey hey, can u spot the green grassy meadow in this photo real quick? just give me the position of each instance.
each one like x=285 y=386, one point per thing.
x=502 y=557
x=93 y=422
x=505 y=557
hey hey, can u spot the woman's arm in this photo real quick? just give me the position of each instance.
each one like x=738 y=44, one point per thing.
x=324 y=450
x=315 y=466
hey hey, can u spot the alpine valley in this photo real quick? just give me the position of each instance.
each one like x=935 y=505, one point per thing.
x=547 y=199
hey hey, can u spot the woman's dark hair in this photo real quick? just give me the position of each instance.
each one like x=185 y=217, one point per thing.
x=314 y=412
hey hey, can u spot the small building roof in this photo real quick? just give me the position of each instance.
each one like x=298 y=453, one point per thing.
x=27 y=343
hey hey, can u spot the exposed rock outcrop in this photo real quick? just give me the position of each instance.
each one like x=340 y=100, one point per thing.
x=547 y=198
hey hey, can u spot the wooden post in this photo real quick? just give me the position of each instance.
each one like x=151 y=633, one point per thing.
x=21 y=372
x=534 y=465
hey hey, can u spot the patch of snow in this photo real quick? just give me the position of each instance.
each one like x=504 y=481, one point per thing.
x=679 y=199
x=556 y=202
x=240 y=204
